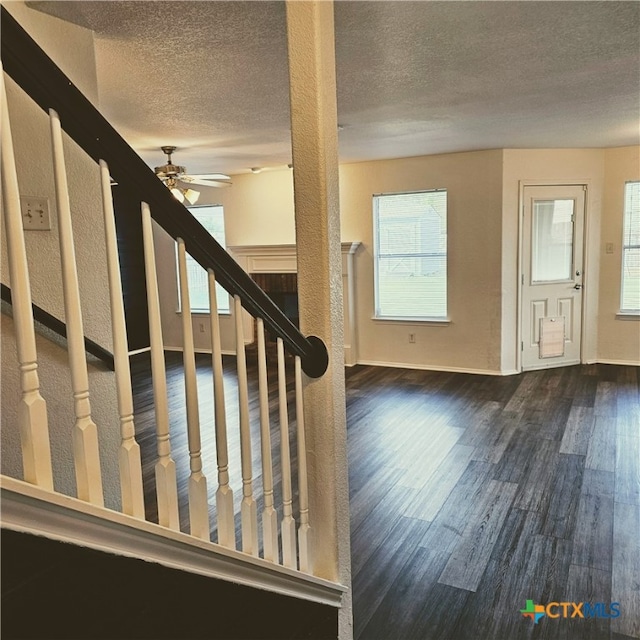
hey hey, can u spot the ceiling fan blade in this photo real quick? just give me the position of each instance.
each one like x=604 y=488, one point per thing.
x=192 y=180
x=209 y=176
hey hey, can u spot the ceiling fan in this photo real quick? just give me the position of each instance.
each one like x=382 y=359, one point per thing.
x=177 y=180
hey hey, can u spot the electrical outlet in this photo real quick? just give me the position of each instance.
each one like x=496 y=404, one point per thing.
x=412 y=338
x=202 y=327
x=608 y=248
x=35 y=213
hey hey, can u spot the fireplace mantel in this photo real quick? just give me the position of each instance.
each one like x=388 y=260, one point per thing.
x=278 y=258
x=281 y=258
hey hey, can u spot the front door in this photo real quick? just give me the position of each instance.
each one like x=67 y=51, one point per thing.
x=552 y=276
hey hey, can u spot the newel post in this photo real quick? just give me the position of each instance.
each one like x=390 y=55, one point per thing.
x=314 y=133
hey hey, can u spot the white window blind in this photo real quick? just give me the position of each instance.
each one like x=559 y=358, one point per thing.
x=410 y=247
x=211 y=217
x=630 y=296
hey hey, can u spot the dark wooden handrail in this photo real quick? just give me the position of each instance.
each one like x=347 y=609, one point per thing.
x=27 y=64
x=59 y=327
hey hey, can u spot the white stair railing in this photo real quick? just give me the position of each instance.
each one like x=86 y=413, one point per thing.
x=198 y=507
x=289 y=551
x=249 y=509
x=165 y=468
x=85 y=431
x=32 y=408
x=224 y=493
x=131 y=488
x=269 y=514
x=275 y=542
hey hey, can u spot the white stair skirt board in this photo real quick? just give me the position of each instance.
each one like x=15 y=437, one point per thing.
x=29 y=509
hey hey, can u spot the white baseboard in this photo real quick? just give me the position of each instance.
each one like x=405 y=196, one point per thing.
x=426 y=367
x=30 y=509
x=624 y=363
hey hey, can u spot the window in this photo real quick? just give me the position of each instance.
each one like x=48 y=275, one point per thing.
x=211 y=217
x=630 y=298
x=410 y=255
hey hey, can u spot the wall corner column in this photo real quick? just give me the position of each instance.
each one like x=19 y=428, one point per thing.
x=314 y=134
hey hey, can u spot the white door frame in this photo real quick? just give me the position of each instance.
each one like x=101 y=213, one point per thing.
x=587 y=284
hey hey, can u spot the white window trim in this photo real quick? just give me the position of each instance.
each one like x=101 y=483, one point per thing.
x=408 y=320
x=625 y=314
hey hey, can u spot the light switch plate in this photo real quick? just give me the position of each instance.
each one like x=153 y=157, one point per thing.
x=35 y=213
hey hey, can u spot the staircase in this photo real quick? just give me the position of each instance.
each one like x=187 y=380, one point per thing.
x=102 y=507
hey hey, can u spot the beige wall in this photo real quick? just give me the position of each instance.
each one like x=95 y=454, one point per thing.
x=618 y=337
x=471 y=341
x=484 y=191
x=484 y=194
x=259 y=210
x=72 y=48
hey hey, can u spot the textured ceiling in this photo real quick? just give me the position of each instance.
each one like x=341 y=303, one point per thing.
x=414 y=78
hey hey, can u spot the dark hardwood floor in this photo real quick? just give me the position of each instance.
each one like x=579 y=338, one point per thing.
x=472 y=494
x=469 y=495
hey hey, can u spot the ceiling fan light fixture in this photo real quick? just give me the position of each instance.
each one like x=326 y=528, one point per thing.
x=191 y=195
x=177 y=194
x=174 y=175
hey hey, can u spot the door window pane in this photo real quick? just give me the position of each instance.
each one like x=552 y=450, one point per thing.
x=552 y=241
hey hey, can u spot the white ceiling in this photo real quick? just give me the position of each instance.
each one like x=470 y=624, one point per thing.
x=414 y=78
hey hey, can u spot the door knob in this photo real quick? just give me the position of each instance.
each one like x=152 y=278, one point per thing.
x=578 y=286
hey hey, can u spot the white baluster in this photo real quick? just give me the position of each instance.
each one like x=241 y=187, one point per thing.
x=269 y=514
x=198 y=505
x=165 y=470
x=304 y=530
x=248 y=509
x=85 y=432
x=129 y=452
x=288 y=522
x=32 y=409
x=224 y=493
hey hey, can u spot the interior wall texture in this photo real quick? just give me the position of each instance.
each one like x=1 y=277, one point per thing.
x=71 y=47
x=618 y=337
x=484 y=190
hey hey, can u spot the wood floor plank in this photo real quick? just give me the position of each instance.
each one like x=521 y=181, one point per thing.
x=586 y=584
x=627 y=471
x=605 y=403
x=561 y=507
x=483 y=421
x=578 y=430
x=374 y=527
x=601 y=451
x=371 y=584
x=428 y=502
x=456 y=510
x=469 y=559
x=598 y=483
x=428 y=455
x=628 y=419
x=492 y=447
x=535 y=477
x=554 y=422
x=490 y=612
x=405 y=599
x=442 y=607
x=593 y=537
x=625 y=578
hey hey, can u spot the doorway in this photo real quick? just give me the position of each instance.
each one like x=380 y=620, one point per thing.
x=552 y=275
